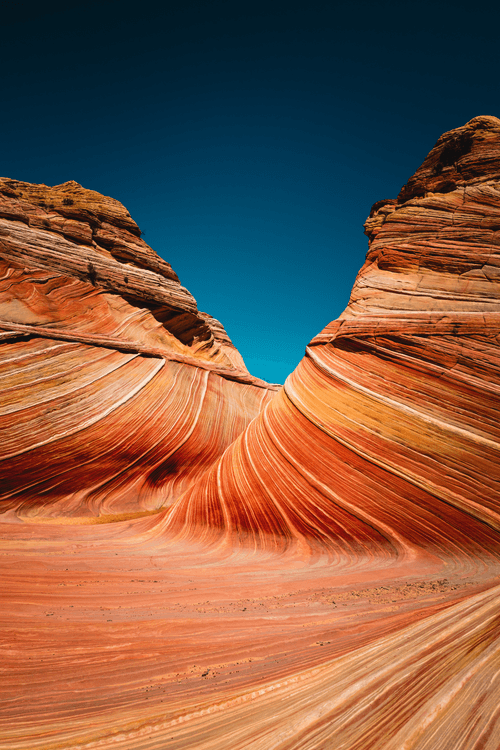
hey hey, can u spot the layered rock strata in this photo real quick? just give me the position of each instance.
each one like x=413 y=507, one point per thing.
x=332 y=579
x=115 y=391
x=395 y=406
x=382 y=450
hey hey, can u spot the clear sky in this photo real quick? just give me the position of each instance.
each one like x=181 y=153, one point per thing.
x=247 y=139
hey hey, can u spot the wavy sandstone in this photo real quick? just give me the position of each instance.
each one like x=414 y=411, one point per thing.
x=323 y=576
x=116 y=392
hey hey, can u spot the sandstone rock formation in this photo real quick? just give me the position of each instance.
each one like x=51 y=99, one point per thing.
x=116 y=392
x=332 y=579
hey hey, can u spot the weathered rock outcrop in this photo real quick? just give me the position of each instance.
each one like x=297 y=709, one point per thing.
x=332 y=579
x=382 y=450
x=115 y=391
x=399 y=398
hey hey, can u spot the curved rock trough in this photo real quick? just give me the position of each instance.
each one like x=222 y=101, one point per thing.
x=193 y=558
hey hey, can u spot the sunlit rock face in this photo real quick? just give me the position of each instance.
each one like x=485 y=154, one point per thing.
x=331 y=581
x=115 y=391
x=393 y=414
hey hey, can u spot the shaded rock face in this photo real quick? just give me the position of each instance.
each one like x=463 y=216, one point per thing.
x=332 y=578
x=116 y=391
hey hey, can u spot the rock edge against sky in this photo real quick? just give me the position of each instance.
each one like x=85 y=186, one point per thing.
x=192 y=558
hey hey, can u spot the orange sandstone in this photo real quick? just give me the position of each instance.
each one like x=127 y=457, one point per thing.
x=324 y=576
x=116 y=392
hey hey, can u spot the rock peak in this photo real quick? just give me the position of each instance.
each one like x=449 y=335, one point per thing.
x=69 y=183
x=484 y=122
x=465 y=155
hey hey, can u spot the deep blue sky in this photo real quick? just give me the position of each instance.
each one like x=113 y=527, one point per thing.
x=247 y=139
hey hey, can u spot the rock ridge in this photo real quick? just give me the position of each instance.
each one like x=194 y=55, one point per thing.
x=67 y=228
x=97 y=334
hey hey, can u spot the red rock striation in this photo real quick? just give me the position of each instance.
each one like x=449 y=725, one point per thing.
x=332 y=579
x=398 y=398
x=116 y=392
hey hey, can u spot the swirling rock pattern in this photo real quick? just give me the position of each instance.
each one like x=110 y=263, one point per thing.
x=332 y=579
x=115 y=391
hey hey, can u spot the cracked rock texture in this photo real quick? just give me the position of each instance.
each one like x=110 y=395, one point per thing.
x=331 y=580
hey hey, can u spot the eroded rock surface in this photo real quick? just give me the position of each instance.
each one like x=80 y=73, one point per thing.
x=115 y=391
x=332 y=579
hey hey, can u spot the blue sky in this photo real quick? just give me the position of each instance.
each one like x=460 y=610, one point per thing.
x=248 y=140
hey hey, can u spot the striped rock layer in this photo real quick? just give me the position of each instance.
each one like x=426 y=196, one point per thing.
x=115 y=392
x=331 y=581
x=396 y=405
